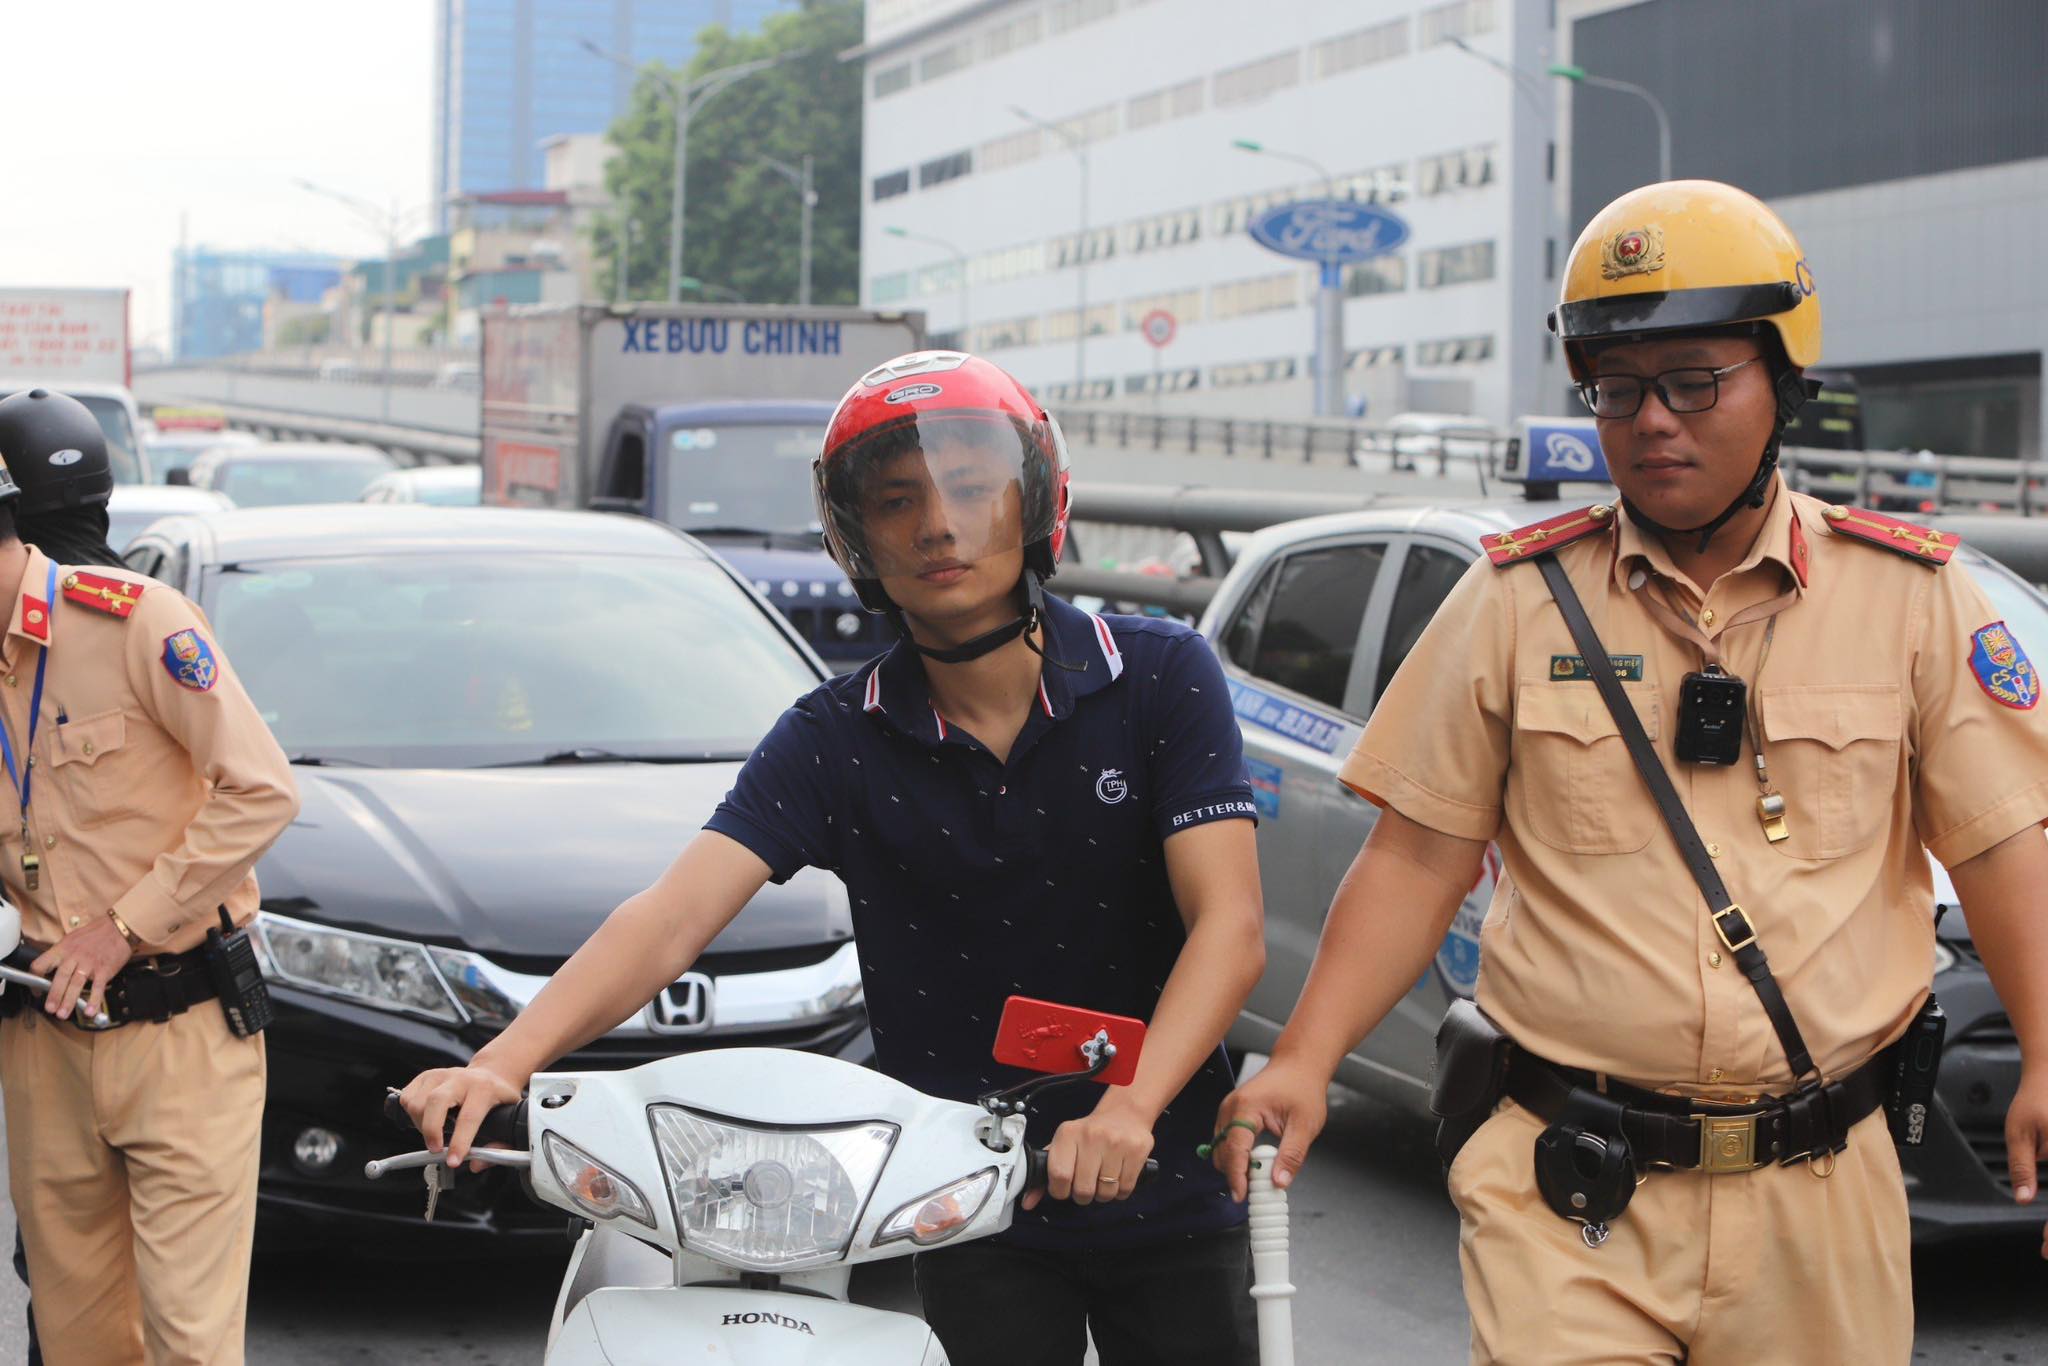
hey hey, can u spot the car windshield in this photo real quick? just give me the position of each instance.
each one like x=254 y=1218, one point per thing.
x=466 y=660
x=756 y=476
x=445 y=493
x=177 y=453
x=2021 y=605
x=264 y=483
x=113 y=420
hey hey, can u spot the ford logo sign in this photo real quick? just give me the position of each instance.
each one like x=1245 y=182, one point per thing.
x=1334 y=230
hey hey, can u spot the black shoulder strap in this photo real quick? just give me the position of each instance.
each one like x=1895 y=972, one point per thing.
x=1729 y=920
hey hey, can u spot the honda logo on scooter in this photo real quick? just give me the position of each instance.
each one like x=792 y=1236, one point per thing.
x=683 y=1007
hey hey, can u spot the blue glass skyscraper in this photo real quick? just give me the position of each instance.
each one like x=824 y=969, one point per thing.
x=510 y=73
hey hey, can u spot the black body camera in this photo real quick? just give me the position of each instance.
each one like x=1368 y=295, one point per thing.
x=1915 y=1063
x=1711 y=708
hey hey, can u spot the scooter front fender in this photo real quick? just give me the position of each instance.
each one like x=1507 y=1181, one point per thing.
x=718 y=1326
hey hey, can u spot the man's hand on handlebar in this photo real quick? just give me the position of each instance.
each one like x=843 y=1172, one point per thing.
x=461 y=1095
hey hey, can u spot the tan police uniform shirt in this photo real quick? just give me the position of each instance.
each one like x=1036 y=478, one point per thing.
x=1597 y=951
x=152 y=796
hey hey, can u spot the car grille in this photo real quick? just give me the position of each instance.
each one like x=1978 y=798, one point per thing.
x=1986 y=1133
x=710 y=964
x=819 y=626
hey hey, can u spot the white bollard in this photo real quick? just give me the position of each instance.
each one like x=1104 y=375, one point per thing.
x=1271 y=1289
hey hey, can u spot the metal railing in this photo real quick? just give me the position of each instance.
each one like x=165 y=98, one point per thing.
x=1311 y=441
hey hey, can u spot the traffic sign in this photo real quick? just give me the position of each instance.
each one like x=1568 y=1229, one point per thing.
x=1158 y=327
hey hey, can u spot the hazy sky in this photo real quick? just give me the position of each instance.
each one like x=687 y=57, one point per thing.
x=120 y=117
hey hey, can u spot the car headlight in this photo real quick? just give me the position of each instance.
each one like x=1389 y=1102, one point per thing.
x=480 y=998
x=391 y=974
x=592 y=1187
x=768 y=1199
x=935 y=1217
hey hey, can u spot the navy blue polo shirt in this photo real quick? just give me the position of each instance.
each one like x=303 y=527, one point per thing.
x=972 y=881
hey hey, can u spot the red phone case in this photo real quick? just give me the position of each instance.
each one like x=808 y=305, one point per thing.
x=1045 y=1037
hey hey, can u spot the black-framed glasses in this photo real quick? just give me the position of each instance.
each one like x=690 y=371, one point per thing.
x=1692 y=389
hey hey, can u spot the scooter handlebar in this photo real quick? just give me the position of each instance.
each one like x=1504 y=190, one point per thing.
x=504 y=1126
x=1037 y=1174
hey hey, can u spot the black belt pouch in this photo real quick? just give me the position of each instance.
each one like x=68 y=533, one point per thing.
x=1471 y=1072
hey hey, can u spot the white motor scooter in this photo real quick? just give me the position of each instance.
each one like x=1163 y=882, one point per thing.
x=730 y=1192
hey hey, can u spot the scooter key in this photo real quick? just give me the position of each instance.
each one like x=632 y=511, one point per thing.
x=437 y=1177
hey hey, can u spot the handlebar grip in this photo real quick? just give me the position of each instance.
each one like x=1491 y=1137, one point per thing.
x=504 y=1125
x=1037 y=1161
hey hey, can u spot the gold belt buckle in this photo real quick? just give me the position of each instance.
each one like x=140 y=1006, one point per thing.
x=1721 y=928
x=1727 y=1143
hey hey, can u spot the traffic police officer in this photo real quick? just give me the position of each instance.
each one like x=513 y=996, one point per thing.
x=143 y=787
x=1691 y=1161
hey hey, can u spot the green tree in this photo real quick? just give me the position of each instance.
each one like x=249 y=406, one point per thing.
x=742 y=218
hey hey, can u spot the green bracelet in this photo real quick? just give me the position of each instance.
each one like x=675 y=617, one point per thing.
x=1205 y=1149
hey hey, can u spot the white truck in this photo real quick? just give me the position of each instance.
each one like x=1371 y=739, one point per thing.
x=707 y=418
x=76 y=341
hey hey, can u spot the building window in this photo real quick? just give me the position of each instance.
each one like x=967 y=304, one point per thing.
x=1460 y=265
x=1163 y=381
x=946 y=60
x=1066 y=15
x=1465 y=169
x=890 y=185
x=1174 y=102
x=943 y=169
x=1004 y=39
x=1011 y=150
x=1184 y=304
x=1256 y=80
x=891 y=79
x=1241 y=373
x=1459 y=19
x=1073 y=249
x=1232 y=214
x=1263 y=294
x=1360 y=47
x=889 y=289
x=1163 y=230
x=1010 y=263
x=1381 y=275
x=1059 y=326
x=1093 y=126
x=1091 y=391
x=1381 y=185
x=1009 y=332
x=1367 y=357
x=1454 y=351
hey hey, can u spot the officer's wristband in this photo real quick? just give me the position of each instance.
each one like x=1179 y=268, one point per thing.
x=122 y=926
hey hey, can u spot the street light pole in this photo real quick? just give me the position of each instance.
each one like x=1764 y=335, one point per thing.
x=1578 y=75
x=959 y=260
x=388 y=220
x=801 y=179
x=625 y=257
x=1080 y=150
x=1329 y=296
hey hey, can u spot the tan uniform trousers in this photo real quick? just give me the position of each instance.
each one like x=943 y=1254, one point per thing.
x=1747 y=1268
x=132 y=1159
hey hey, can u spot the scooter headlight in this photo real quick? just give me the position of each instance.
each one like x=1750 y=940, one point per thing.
x=768 y=1199
x=938 y=1216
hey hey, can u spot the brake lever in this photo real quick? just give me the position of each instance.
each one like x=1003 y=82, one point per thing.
x=495 y=1157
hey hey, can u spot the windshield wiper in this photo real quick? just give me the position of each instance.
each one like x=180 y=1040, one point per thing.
x=585 y=754
x=325 y=761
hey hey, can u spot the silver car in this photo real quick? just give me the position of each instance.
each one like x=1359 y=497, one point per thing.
x=1311 y=623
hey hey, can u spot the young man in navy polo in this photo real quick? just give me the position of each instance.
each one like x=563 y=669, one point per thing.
x=1022 y=799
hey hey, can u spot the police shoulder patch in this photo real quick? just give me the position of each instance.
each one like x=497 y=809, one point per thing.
x=2002 y=668
x=189 y=660
x=1509 y=547
x=115 y=597
x=1920 y=543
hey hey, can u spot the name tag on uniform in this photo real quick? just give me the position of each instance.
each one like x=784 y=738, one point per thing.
x=1572 y=668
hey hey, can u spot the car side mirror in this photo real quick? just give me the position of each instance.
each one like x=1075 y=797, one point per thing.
x=1040 y=1036
x=181 y=477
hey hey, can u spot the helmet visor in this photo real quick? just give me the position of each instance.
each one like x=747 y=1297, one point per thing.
x=934 y=490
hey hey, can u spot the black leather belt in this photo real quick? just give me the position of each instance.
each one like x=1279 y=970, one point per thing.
x=155 y=988
x=1704 y=1135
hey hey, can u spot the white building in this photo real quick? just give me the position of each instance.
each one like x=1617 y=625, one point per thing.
x=1153 y=94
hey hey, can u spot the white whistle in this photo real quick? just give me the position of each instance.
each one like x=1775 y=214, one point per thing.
x=1272 y=1291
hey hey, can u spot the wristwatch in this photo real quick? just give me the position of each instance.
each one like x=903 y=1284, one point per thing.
x=122 y=926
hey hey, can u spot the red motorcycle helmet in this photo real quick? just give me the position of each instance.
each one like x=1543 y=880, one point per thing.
x=949 y=428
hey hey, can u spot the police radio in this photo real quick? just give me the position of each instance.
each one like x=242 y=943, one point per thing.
x=1711 y=708
x=237 y=979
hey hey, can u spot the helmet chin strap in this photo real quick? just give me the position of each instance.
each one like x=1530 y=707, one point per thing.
x=1792 y=393
x=1026 y=626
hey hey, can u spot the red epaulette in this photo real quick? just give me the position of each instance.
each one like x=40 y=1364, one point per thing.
x=115 y=597
x=1511 y=547
x=1914 y=542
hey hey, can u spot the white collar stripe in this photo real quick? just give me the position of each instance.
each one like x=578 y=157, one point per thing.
x=873 y=700
x=942 y=722
x=1111 y=656
x=1045 y=701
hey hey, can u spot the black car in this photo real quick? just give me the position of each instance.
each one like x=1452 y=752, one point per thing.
x=503 y=723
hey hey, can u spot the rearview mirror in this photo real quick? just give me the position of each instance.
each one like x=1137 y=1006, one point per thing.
x=180 y=476
x=1040 y=1036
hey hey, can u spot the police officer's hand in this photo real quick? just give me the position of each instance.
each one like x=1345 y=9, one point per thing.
x=1285 y=1098
x=83 y=961
x=1099 y=1157
x=2026 y=1138
x=468 y=1093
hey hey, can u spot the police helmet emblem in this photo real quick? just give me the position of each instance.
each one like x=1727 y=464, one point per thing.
x=1111 y=787
x=1632 y=251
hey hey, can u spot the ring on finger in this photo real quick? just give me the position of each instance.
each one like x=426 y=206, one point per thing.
x=1107 y=1180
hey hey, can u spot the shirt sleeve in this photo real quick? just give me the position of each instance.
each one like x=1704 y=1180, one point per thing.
x=1979 y=732
x=1196 y=762
x=785 y=804
x=1438 y=744
x=250 y=793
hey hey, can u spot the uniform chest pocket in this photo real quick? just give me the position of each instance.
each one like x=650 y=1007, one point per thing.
x=90 y=763
x=1572 y=779
x=1833 y=751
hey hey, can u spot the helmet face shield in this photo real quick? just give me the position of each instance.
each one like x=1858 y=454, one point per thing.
x=933 y=490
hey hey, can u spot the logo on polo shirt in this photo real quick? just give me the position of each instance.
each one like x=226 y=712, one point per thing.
x=1111 y=787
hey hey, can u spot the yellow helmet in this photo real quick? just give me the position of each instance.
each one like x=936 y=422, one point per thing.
x=1684 y=256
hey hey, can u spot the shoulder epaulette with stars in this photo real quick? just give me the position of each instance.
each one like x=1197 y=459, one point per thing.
x=1929 y=547
x=115 y=597
x=1512 y=547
